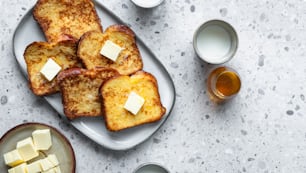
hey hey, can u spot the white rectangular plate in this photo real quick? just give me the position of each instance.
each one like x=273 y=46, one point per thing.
x=29 y=31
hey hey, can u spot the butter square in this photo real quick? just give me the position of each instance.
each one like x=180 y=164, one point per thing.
x=19 y=169
x=12 y=170
x=50 y=171
x=134 y=103
x=50 y=69
x=57 y=169
x=13 y=158
x=46 y=164
x=42 y=139
x=26 y=149
x=34 y=167
x=111 y=50
x=53 y=170
x=53 y=159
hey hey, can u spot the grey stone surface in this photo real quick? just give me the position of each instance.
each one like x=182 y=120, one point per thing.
x=261 y=130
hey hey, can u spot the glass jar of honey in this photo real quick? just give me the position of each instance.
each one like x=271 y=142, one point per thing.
x=223 y=83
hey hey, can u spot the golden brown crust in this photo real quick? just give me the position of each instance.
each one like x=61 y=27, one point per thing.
x=115 y=92
x=80 y=90
x=36 y=55
x=120 y=28
x=129 y=60
x=66 y=19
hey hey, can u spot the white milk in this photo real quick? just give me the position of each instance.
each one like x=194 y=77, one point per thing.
x=213 y=42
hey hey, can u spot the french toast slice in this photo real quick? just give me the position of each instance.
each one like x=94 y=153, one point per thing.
x=115 y=92
x=66 y=19
x=129 y=60
x=80 y=90
x=36 y=55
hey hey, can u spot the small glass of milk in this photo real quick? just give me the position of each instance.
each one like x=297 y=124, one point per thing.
x=147 y=3
x=215 y=42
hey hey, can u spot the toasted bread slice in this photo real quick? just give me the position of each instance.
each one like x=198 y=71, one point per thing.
x=37 y=54
x=129 y=59
x=62 y=19
x=80 y=90
x=115 y=92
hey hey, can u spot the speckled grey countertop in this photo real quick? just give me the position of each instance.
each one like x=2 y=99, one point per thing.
x=263 y=129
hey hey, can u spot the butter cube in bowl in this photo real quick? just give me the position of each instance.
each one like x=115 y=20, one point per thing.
x=42 y=139
x=26 y=149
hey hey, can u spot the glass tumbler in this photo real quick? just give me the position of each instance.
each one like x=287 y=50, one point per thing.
x=223 y=83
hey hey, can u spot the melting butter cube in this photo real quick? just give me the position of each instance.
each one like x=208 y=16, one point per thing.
x=134 y=103
x=26 y=149
x=19 y=169
x=53 y=159
x=53 y=170
x=50 y=171
x=42 y=139
x=111 y=50
x=34 y=167
x=13 y=158
x=57 y=169
x=50 y=69
x=12 y=170
x=46 y=164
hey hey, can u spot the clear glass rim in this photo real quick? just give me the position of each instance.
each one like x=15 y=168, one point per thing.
x=214 y=83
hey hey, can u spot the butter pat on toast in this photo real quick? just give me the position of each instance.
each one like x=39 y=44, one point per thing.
x=66 y=19
x=36 y=56
x=80 y=90
x=128 y=61
x=115 y=93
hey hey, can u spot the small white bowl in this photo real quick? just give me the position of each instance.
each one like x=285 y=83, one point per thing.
x=147 y=3
x=215 y=42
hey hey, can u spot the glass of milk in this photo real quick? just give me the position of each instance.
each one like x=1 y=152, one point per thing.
x=147 y=3
x=215 y=42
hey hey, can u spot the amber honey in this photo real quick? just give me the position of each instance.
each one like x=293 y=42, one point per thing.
x=223 y=83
